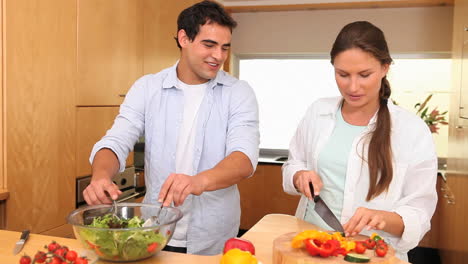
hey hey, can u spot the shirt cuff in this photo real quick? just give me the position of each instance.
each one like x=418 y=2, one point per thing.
x=414 y=229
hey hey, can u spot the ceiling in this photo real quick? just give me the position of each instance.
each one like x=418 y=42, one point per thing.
x=288 y=2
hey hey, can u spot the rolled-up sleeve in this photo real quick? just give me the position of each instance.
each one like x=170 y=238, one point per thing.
x=128 y=125
x=297 y=156
x=419 y=196
x=243 y=132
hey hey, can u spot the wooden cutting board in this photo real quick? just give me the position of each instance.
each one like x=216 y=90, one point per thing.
x=283 y=253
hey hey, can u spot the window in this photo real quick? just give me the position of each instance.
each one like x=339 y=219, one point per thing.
x=285 y=87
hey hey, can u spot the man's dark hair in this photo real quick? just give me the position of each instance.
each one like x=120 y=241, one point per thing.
x=192 y=18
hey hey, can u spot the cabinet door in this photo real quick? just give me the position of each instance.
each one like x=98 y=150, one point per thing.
x=39 y=89
x=92 y=124
x=271 y=199
x=464 y=72
x=160 y=48
x=110 y=51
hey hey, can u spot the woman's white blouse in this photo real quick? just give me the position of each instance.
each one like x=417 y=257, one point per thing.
x=412 y=192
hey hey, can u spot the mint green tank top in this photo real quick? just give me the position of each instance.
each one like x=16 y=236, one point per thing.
x=332 y=165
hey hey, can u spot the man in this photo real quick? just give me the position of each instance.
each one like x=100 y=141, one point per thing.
x=201 y=135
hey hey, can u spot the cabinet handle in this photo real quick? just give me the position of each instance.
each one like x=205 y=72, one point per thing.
x=466 y=28
x=122 y=95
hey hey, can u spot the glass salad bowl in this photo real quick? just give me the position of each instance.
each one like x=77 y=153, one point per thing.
x=132 y=231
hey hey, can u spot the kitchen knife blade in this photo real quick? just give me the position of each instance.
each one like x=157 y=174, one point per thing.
x=324 y=212
x=19 y=245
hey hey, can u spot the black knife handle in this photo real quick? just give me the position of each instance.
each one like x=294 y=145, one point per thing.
x=315 y=198
x=24 y=235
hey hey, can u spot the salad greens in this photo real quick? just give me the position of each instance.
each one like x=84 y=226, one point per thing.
x=121 y=244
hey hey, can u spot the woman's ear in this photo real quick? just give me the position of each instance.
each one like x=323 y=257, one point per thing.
x=385 y=68
x=183 y=38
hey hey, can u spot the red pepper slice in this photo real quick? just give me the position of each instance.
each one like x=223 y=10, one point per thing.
x=324 y=250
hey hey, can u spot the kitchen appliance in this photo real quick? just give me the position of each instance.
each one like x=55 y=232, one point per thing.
x=19 y=245
x=124 y=180
x=324 y=212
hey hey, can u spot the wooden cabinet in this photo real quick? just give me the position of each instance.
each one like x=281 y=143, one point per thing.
x=92 y=124
x=263 y=194
x=459 y=108
x=453 y=245
x=110 y=49
x=39 y=81
x=160 y=48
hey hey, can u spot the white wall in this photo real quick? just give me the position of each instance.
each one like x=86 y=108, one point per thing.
x=418 y=29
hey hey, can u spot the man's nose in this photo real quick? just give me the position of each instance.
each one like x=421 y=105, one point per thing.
x=218 y=54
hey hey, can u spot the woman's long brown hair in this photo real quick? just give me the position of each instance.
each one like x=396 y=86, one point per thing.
x=369 y=38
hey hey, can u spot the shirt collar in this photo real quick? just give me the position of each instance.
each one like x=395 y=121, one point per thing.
x=331 y=111
x=171 y=80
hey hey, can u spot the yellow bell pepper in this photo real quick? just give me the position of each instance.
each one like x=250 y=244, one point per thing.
x=237 y=256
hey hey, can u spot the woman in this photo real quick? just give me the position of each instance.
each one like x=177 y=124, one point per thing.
x=372 y=162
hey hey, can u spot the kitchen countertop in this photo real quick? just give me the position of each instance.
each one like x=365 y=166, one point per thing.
x=261 y=235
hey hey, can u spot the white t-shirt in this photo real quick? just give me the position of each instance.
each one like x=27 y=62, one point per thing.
x=193 y=96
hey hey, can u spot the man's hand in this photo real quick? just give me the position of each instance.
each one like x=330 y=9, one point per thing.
x=95 y=193
x=177 y=187
x=301 y=181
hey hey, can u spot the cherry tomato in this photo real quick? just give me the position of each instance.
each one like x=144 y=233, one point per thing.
x=81 y=261
x=60 y=252
x=25 y=260
x=71 y=255
x=360 y=247
x=369 y=243
x=152 y=247
x=53 y=246
x=40 y=257
x=381 y=251
x=55 y=260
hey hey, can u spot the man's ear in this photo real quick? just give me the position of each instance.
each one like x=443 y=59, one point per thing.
x=183 y=38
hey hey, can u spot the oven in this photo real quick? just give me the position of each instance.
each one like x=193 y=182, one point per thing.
x=126 y=181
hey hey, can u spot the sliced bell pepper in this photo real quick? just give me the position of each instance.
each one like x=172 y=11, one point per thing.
x=325 y=250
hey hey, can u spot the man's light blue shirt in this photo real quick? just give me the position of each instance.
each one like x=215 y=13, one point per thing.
x=227 y=122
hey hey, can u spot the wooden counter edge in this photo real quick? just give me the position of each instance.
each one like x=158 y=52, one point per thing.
x=4 y=194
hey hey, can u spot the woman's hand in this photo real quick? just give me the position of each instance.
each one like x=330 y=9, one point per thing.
x=389 y=222
x=301 y=181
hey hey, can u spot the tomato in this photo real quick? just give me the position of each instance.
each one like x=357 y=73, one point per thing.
x=360 y=247
x=40 y=257
x=369 y=243
x=60 y=252
x=381 y=251
x=55 y=260
x=71 y=255
x=53 y=246
x=242 y=244
x=81 y=261
x=25 y=259
x=152 y=247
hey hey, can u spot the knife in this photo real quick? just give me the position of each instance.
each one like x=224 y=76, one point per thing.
x=324 y=212
x=19 y=245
